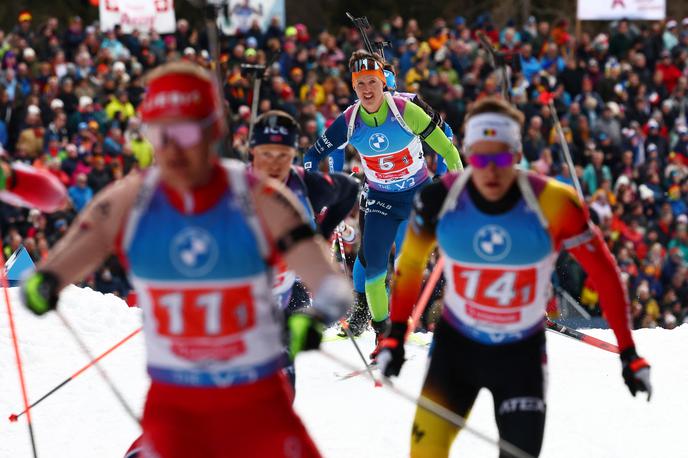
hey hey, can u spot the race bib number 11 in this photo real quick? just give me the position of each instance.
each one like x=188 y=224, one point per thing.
x=203 y=312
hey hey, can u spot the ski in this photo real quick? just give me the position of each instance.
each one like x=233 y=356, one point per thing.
x=373 y=365
x=347 y=375
x=581 y=337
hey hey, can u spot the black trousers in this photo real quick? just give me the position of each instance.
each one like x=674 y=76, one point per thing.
x=459 y=367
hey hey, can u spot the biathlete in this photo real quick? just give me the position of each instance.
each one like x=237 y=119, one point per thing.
x=500 y=230
x=387 y=132
x=273 y=149
x=360 y=314
x=198 y=237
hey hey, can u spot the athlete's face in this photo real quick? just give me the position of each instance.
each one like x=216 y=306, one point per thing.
x=369 y=90
x=273 y=160
x=493 y=181
x=183 y=152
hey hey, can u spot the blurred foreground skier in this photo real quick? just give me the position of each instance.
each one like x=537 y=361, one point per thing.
x=199 y=238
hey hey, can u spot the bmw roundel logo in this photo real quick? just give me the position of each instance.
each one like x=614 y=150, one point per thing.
x=492 y=242
x=194 y=252
x=378 y=142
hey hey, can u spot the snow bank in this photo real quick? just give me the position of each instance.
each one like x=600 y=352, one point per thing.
x=590 y=410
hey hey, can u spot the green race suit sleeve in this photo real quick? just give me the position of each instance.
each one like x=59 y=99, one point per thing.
x=418 y=121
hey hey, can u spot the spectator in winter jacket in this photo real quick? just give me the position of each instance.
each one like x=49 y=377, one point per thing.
x=100 y=175
x=31 y=137
x=80 y=193
x=595 y=172
x=119 y=102
x=107 y=283
x=609 y=125
x=670 y=73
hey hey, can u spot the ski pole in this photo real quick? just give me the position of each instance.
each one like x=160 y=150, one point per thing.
x=438 y=410
x=257 y=70
x=15 y=417
x=574 y=303
x=17 y=355
x=581 y=337
x=333 y=250
x=345 y=268
x=426 y=294
x=498 y=64
x=352 y=338
x=567 y=153
x=101 y=371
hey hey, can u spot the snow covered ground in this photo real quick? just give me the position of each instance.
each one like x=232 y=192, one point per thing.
x=590 y=411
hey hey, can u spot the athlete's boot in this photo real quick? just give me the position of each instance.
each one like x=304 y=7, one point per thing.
x=380 y=328
x=358 y=318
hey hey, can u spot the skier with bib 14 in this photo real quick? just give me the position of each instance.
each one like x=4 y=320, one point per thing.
x=499 y=230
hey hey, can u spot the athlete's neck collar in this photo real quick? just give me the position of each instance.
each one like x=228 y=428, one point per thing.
x=377 y=118
x=201 y=198
x=503 y=205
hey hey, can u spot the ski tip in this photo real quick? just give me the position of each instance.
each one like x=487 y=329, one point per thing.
x=378 y=384
x=14 y=417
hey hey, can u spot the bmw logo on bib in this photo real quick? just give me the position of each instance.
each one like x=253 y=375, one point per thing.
x=378 y=142
x=194 y=252
x=492 y=242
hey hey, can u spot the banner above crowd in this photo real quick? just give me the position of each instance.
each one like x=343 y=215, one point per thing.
x=239 y=15
x=609 y=10
x=143 y=15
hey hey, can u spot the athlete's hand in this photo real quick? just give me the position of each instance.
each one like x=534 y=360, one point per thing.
x=305 y=331
x=636 y=372
x=391 y=355
x=5 y=174
x=347 y=232
x=40 y=292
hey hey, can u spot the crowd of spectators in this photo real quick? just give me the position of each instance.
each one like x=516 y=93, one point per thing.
x=69 y=92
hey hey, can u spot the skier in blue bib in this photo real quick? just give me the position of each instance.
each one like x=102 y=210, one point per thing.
x=388 y=132
x=360 y=315
x=330 y=196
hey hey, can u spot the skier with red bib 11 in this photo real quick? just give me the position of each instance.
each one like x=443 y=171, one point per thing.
x=199 y=237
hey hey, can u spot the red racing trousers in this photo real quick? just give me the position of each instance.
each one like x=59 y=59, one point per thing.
x=251 y=420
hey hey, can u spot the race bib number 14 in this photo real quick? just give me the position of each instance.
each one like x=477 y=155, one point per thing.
x=498 y=288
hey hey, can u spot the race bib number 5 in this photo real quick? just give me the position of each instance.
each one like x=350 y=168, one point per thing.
x=203 y=323
x=390 y=166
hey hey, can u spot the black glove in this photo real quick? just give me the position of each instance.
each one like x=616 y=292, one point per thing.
x=390 y=357
x=636 y=372
x=305 y=331
x=40 y=292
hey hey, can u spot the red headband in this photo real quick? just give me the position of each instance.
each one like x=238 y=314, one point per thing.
x=179 y=95
x=379 y=74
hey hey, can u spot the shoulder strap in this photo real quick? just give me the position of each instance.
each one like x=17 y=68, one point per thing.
x=352 y=119
x=237 y=175
x=521 y=180
x=300 y=173
x=145 y=194
x=395 y=111
x=529 y=196
x=455 y=192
